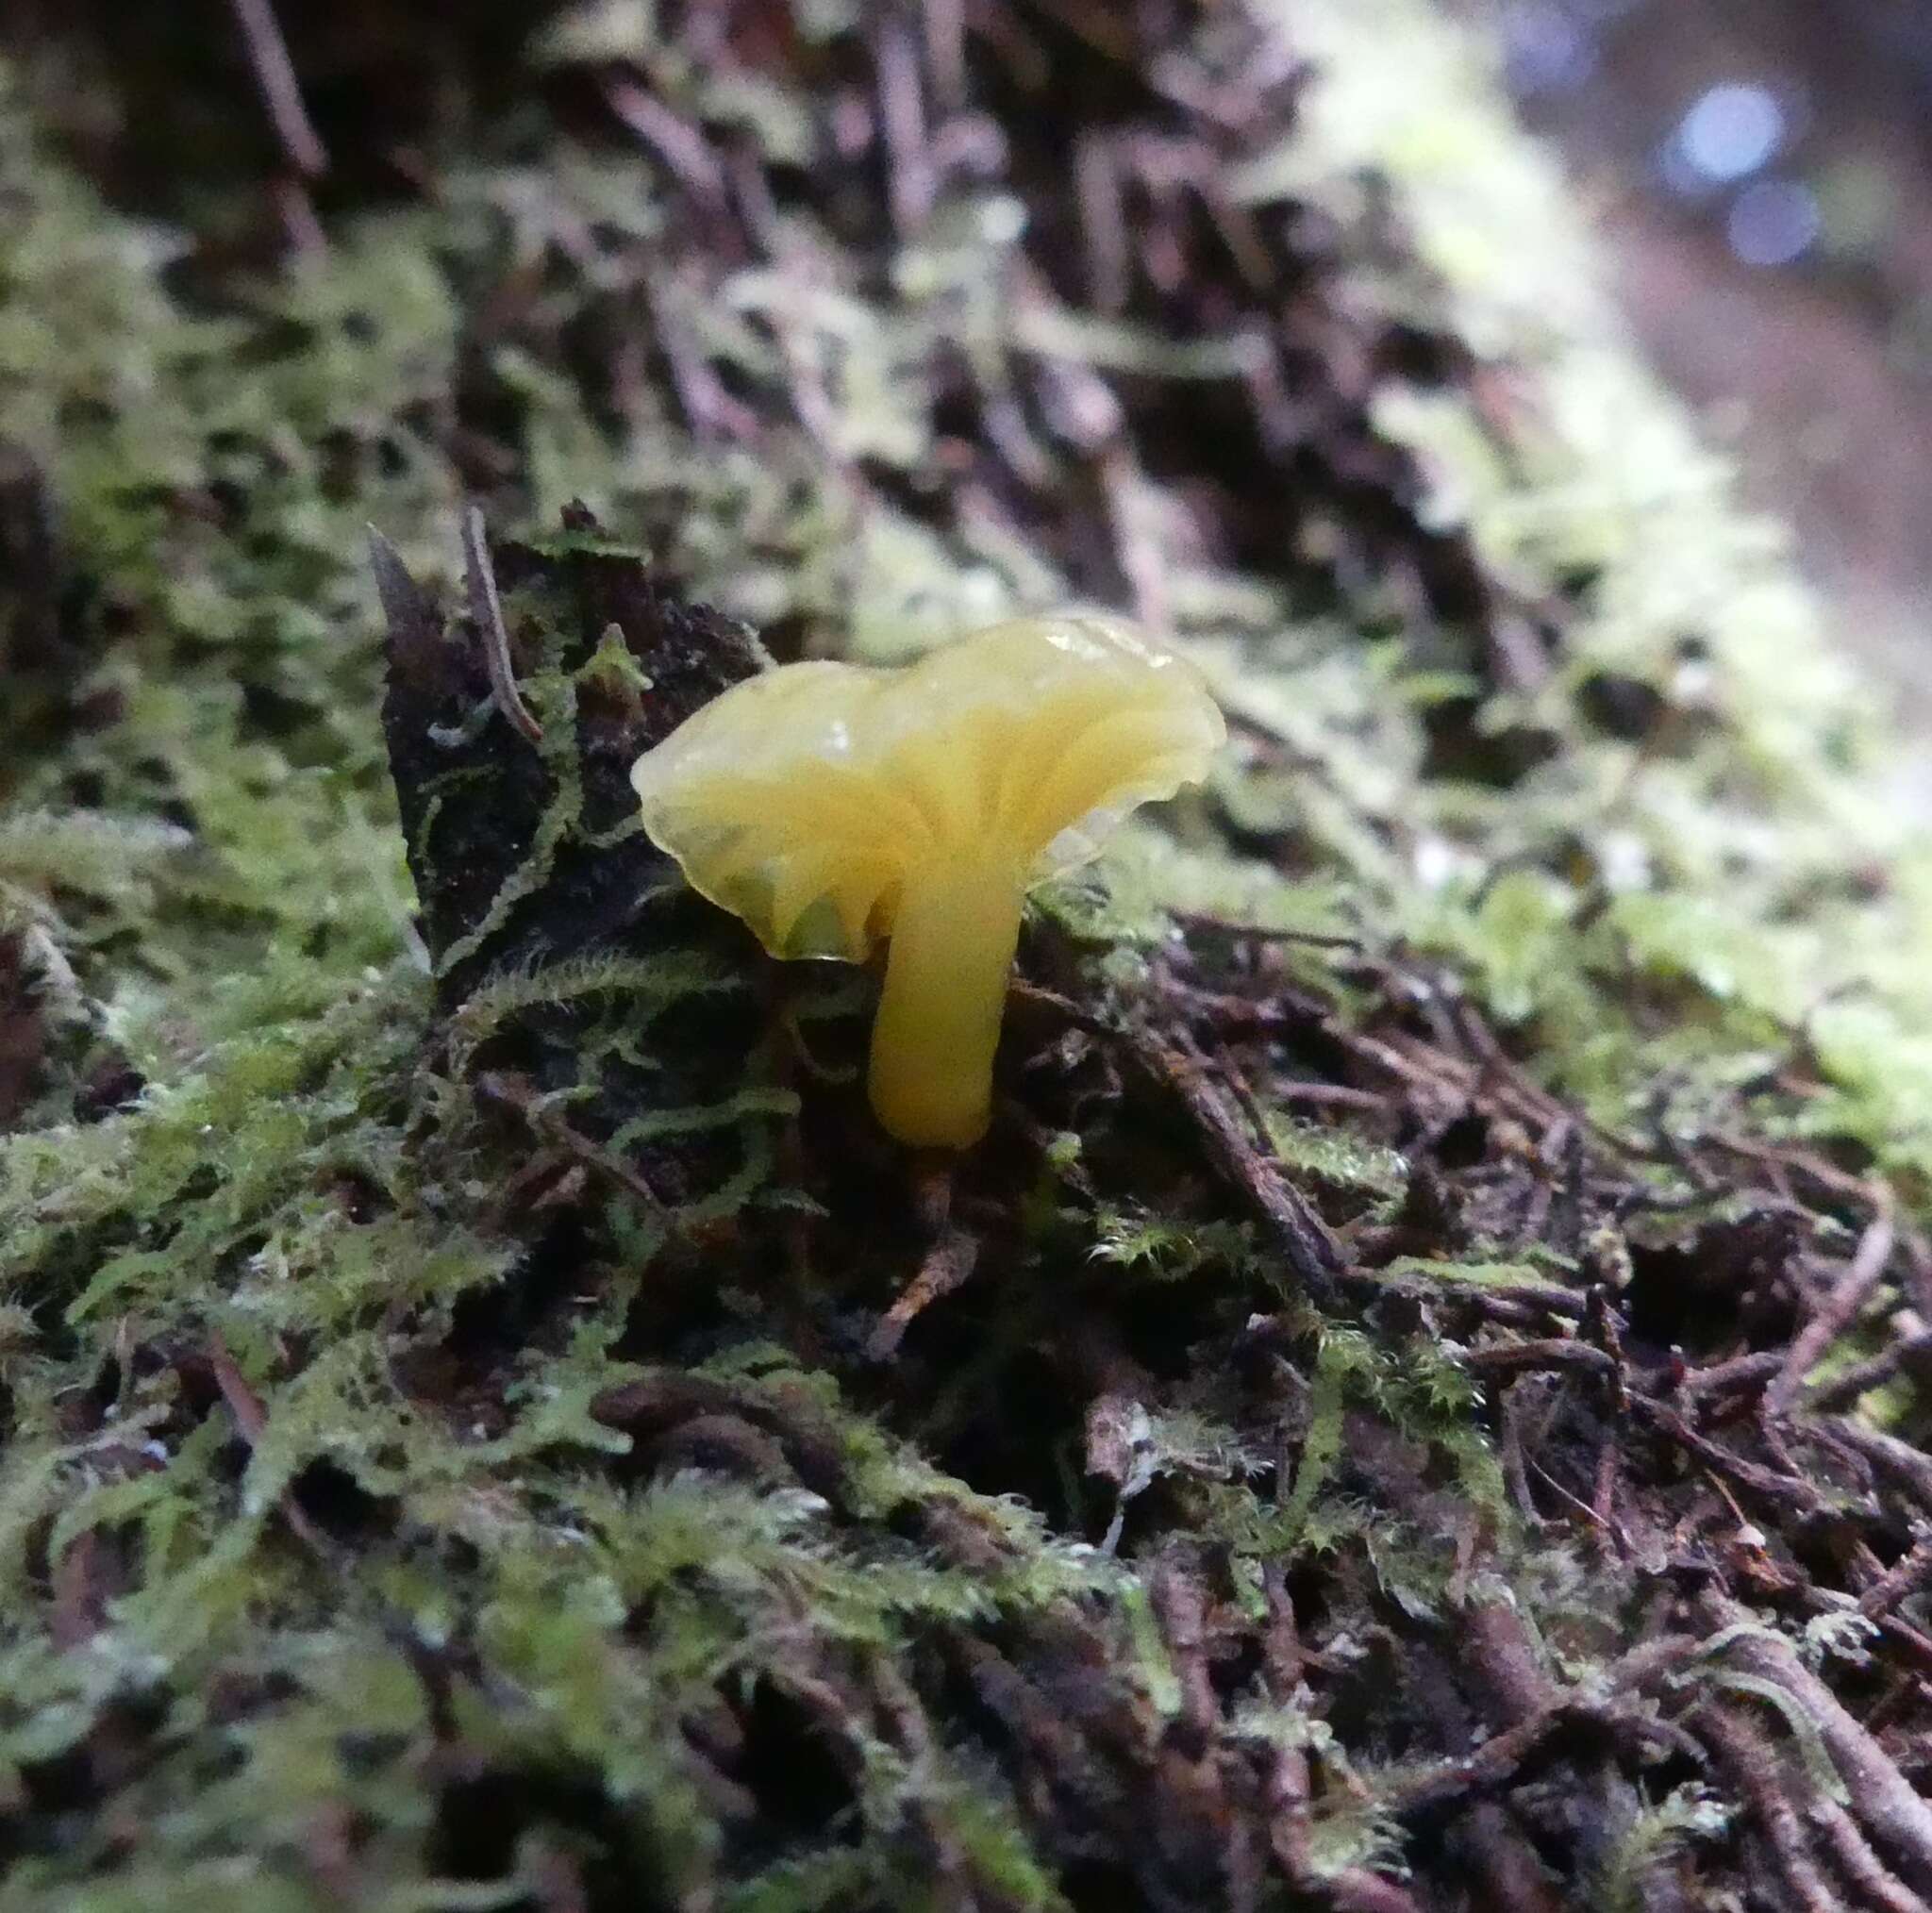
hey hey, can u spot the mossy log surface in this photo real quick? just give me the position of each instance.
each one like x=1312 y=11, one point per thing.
x=1420 y=1403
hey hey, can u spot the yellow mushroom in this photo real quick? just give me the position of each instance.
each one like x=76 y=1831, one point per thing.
x=832 y=804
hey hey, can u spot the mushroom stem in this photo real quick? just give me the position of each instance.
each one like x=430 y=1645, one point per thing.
x=939 y=1021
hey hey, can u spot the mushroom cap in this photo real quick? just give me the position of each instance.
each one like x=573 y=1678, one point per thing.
x=800 y=799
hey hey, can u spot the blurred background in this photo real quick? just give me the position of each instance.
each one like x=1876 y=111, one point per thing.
x=1763 y=172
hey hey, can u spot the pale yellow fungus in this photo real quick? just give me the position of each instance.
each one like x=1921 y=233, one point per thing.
x=832 y=804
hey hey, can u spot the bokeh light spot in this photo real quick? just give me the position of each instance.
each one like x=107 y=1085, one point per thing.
x=1731 y=132
x=1774 y=223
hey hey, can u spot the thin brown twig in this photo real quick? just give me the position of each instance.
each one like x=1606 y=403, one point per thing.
x=1907 y=1575
x=1752 y=1766
x=1844 y=1390
x=1497 y=1761
x=519 y=1093
x=1354 y=1890
x=300 y=222
x=1518 y=1357
x=486 y=612
x=1786 y=1492
x=1881 y=1797
x=1847 y=1295
x=1328 y=1096
x=1741 y=1372
x=1103 y=221
x=251 y=1424
x=956 y=1887
x=902 y=119
x=947 y=1265
x=281 y=92
x=1491 y=1843
x=708 y=408
x=1915 y=1268
x=1858 y=1864
x=946 y=50
x=1827 y=1175
x=1310 y=1252
x=1909 y=1465
x=676 y=141
x=1513 y=1302
x=1180 y=1609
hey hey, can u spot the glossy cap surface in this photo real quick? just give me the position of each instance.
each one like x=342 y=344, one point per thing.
x=801 y=800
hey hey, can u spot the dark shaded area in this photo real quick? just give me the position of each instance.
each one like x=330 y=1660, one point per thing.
x=44 y=610
x=526 y=855
x=23 y=1040
x=160 y=104
x=444 y=734
x=1766 y=183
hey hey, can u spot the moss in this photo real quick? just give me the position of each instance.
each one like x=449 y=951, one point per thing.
x=448 y=1446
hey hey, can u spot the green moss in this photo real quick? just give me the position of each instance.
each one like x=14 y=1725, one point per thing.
x=312 y=1480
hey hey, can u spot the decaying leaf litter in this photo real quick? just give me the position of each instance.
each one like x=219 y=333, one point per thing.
x=1417 y=1403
